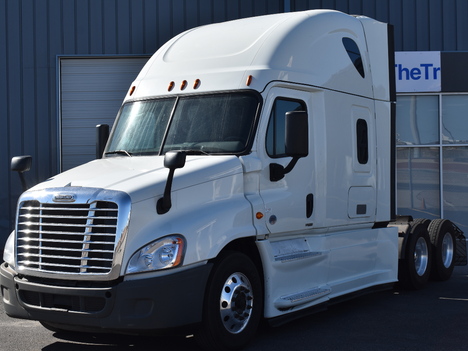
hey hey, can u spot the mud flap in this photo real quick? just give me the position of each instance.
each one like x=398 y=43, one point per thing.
x=460 y=254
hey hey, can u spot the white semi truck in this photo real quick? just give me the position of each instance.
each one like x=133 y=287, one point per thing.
x=250 y=174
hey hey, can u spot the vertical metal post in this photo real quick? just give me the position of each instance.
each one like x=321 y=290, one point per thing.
x=441 y=160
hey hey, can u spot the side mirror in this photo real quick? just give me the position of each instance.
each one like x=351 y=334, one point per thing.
x=296 y=143
x=172 y=160
x=102 y=134
x=297 y=134
x=21 y=164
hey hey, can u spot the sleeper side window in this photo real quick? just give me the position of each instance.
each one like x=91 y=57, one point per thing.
x=276 y=126
x=354 y=54
x=362 y=141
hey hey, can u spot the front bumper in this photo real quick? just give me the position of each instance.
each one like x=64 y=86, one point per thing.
x=135 y=306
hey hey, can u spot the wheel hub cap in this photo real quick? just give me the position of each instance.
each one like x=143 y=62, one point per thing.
x=421 y=256
x=236 y=303
x=447 y=250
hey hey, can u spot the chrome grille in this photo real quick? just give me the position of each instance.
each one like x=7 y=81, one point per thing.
x=67 y=238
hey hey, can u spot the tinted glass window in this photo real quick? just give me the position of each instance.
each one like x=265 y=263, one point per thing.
x=219 y=123
x=276 y=126
x=140 y=126
x=205 y=124
x=354 y=54
x=362 y=141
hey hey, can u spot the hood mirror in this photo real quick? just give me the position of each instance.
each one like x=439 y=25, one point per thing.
x=172 y=160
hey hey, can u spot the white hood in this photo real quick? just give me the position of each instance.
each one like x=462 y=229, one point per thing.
x=143 y=177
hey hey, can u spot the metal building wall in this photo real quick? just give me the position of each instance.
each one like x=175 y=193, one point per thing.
x=34 y=32
x=420 y=25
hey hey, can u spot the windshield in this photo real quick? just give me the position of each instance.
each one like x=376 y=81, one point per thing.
x=211 y=124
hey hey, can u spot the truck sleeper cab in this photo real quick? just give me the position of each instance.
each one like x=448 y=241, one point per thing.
x=248 y=175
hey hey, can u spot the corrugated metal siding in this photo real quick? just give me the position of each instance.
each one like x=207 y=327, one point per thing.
x=420 y=25
x=33 y=33
x=91 y=92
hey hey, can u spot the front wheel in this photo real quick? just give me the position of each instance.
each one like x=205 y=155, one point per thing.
x=233 y=304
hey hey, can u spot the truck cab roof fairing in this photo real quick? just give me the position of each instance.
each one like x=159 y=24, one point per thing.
x=299 y=47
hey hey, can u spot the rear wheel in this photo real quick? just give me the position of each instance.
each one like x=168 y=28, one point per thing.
x=414 y=269
x=233 y=304
x=443 y=241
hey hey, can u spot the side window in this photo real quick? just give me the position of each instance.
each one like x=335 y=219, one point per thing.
x=354 y=54
x=276 y=126
x=362 y=141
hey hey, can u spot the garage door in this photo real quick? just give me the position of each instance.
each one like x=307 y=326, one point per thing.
x=91 y=92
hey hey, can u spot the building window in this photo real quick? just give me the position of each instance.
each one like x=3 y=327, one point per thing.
x=418 y=186
x=454 y=115
x=417 y=120
x=432 y=157
x=455 y=185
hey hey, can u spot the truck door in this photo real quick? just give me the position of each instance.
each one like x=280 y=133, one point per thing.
x=289 y=201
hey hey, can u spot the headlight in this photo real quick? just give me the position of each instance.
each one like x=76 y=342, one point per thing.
x=9 y=251
x=163 y=253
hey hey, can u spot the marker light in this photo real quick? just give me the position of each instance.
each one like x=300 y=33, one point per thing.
x=171 y=86
x=183 y=85
x=196 y=84
x=259 y=215
x=132 y=89
x=163 y=253
x=249 y=80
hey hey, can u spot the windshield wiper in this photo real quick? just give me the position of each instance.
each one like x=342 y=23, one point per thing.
x=195 y=152
x=119 y=152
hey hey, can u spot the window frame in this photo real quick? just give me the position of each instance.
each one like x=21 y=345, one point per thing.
x=177 y=97
x=303 y=105
x=440 y=145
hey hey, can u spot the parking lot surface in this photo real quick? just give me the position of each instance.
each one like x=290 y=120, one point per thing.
x=434 y=318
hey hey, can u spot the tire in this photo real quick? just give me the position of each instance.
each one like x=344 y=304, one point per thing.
x=443 y=241
x=417 y=221
x=415 y=268
x=233 y=304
